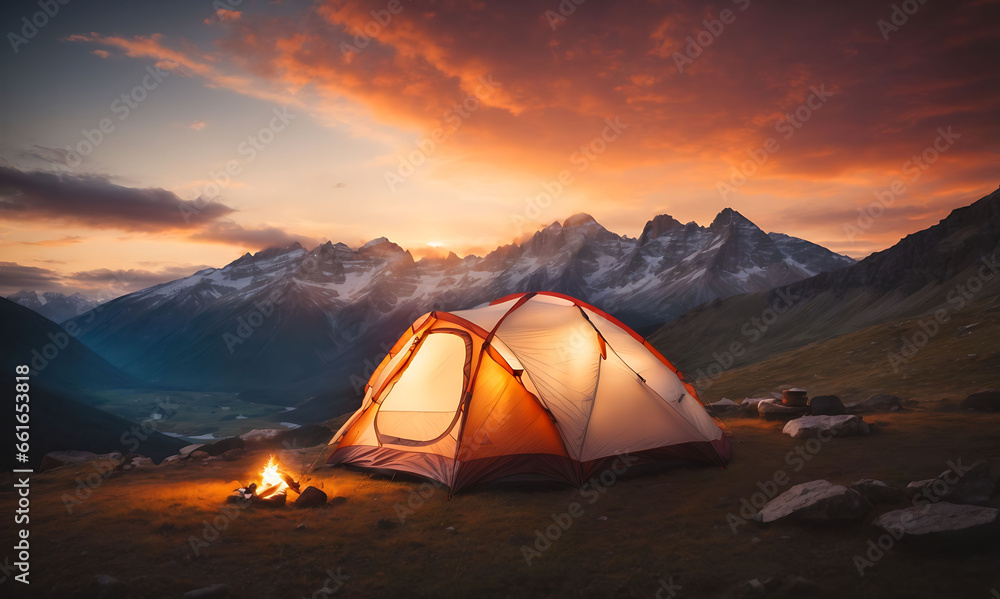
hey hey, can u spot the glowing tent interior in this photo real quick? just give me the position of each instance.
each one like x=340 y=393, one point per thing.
x=533 y=385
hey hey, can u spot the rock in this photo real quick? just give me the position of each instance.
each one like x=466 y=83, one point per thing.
x=134 y=461
x=109 y=587
x=338 y=501
x=880 y=402
x=172 y=460
x=959 y=484
x=187 y=450
x=753 y=401
x=221 y=447
x=816 y=501
x=212 y=592
x=987 y=401
x=232 y=454
x=810 y=427
x=773 y=409
x=260 y=438
x=826 y=405
x=58 y=459
x=386 y=524
x=876 y=491
x=304 y=436
x=311 y=497
x=943 y=521
x=198 y=455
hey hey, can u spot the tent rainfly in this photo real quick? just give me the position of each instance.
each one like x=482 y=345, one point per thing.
x=535 y=385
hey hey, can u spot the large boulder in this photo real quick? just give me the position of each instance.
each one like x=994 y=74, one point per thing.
x=816 y=501
x=959 y=484
x=221 y=447
x=880 y=402
x=876 y=491
x=826 y=405
x=311 y=497
x=987 y=401
x=189 y=449
x=811 y=427
x=773 y=409
x=942 y=522
x=262 y=437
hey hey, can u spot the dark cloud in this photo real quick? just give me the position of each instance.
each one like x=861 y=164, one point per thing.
x=120 y=282
x=230 y=233
x=14 y=277
x=93 y=201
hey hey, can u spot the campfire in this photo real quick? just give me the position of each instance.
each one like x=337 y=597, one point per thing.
x=272 y=490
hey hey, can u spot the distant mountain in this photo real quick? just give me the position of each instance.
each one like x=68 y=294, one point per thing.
x=63 y=372
x=285 y=323
x=942 y=267
x=57 y=307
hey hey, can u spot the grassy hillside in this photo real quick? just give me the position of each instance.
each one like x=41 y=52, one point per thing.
x=670 y=525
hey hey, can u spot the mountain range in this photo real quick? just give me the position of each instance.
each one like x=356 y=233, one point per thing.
x=286 y=324
x=55 y=306
x=939 y=270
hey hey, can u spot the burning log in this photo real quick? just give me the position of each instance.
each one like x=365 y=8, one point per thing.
x=272 y=490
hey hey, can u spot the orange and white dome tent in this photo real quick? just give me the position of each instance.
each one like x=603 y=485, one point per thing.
x=535 y=384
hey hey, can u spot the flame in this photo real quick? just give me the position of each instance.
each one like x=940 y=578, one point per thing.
x=269 y=478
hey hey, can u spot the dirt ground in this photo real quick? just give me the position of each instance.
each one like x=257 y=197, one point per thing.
x=165 y=530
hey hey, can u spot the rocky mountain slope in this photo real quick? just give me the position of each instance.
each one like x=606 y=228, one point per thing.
x=938 y=270
x=55 y=306
x=287 y=323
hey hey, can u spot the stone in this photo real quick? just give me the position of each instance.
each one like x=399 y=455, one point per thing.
x=773 y=409
x=826 y=405
x=876 y=491
x=816 y=501
x=811 y=427
x=187 y=450
x=338 y=501
x=986 y=401
x=221 y=447
x=935 y=522
x=959 y=484
x=232 y=454
x=213 y=592
x=880 y=402
x=172 y=460
x=198 y=455
x=311 y=497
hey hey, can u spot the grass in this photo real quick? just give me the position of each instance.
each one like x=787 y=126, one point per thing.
x=137 y=527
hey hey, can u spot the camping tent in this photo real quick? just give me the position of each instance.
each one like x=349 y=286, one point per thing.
x=535 y=384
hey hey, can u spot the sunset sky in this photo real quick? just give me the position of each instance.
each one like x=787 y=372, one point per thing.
x=319 y=109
